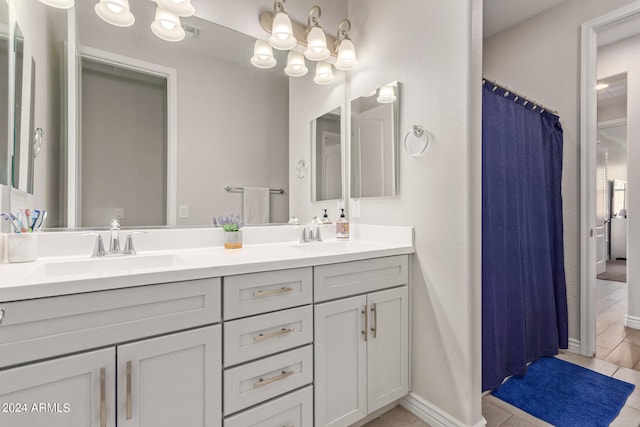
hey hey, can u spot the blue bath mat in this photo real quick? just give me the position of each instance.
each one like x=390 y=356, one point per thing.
x=565 y=394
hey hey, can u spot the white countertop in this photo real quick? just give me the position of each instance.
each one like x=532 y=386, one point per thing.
x=51 y=276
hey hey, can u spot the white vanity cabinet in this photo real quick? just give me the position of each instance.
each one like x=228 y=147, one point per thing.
x=361 y=342
x=268 y=348
x=172 y=378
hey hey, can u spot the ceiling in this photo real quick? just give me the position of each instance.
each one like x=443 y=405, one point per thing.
x=502 y=14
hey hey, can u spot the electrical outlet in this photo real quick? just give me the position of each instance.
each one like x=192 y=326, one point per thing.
x=119 y=213
x=184 y=211
x=355 y=208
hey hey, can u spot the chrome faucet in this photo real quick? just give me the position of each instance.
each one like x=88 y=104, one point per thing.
x=313 y=234
x=114 y=243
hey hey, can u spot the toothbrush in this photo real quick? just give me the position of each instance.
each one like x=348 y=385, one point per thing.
x=34 y=218
x=11 y=220
x=42 y=218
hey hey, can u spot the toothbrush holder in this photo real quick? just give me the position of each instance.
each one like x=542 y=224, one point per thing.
x=22 y=247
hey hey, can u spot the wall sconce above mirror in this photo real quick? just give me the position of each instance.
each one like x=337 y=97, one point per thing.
x=374 y=142
x=314 y=43
x=326 y=156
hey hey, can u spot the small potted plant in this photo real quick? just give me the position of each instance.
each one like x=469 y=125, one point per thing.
x=232 y=234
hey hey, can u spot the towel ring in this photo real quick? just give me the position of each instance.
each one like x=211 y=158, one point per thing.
x=416 y=141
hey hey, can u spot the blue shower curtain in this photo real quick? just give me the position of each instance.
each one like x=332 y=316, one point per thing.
x=524 y=301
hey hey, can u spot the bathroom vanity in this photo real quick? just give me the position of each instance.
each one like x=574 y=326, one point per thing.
x=272 y=334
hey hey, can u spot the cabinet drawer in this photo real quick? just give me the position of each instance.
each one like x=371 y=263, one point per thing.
x=255 y=293
x=39 y=328
x=258 y=336
x=264 y=379
x=357 y=277
x=292 y=410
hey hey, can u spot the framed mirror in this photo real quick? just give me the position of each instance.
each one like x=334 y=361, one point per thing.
x=326 y=156
x=374 y=142
x=231 y=128
x=4 y=92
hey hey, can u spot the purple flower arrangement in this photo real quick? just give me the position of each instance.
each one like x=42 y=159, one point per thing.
x=229 y=223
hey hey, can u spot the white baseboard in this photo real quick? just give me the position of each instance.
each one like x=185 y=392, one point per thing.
x=631 y=321
x=431 y=414
x=574 y=346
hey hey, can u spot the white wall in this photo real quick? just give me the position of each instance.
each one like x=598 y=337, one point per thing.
x=540 y=58
x=613 y=59
x=429 y=47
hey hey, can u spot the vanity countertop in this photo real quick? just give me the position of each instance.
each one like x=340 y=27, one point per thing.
x=68 y=275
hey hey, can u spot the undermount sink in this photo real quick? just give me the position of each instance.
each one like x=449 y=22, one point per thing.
x=110 y=265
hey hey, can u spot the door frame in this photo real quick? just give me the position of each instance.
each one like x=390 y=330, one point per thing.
x=171 y=76
x=588 y=141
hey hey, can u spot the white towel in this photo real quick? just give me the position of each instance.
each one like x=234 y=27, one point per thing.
x=255 y=205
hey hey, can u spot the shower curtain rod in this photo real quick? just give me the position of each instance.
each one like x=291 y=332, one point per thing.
x=527 y=101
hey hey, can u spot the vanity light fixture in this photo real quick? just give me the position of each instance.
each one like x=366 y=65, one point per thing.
x=282 y=37
x=346 y=50
x=115 y=12
x=296 y=66
x=60 y=4
x=263 y=55
x=167 y=26
x=387 y=94
x=316 y=39
x=177 y=7
x=324 y=74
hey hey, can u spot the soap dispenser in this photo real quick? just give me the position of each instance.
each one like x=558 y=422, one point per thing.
x=342 y=227
x=325 y=217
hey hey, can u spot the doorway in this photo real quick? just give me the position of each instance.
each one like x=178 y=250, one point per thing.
x=614 y=26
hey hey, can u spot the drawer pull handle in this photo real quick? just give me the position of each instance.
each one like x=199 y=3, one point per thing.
x=366 y=323
x=262 y=383
x=103 y=398
x=270 y=292
x=129 y=390
x=374 y=309
x=264 y=337
x=1 y=315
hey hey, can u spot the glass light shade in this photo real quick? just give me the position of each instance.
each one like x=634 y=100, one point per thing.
x=295 y=65
x=324 y=74
x=387 y=94
x=167 y=26
x=115 y=12
x=346 y=55
x=60 y=4
x=316 y=45
x=282 y=33
x=177 y=7
x=263 y=55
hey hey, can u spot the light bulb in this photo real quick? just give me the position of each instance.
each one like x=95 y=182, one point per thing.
x=387 y=94
x=263 y=55
x=346 y=55
x=324 y=74
x=282 y=33
x=295 y=65
x=115 y=12
x=317 y=45
x=167 y=26
x=115 y=8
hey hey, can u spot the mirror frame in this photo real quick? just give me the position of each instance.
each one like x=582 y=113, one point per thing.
x=394 y=151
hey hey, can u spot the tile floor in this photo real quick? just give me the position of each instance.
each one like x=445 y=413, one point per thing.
x=617 y=355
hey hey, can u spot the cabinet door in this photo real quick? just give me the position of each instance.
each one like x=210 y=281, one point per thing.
x=170 y=381
x=73 y=391
x=388 y=345
x=340 y=362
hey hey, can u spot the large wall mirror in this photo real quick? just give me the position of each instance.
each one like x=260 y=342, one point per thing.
x=374 y=143
x=226 y=125
x=326 y=156
x=4 y=92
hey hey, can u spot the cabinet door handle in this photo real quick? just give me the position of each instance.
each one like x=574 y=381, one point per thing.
x=269 y=292
x=261 y=382
x=374 y=309
x=366 y=323
x=1 y=315
x=265 y=337
x=103 y=398
x=129 y=390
